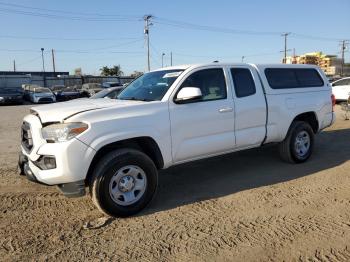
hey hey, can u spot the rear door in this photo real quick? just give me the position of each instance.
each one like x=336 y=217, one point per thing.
x=250 y=106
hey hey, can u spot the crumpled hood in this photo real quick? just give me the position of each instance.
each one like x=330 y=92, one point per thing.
x=60 y=111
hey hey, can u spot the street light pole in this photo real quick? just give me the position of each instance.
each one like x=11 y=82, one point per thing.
x=163 y=59
x=42 y=58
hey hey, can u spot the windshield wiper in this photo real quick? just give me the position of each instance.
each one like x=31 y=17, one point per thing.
x=135 y=99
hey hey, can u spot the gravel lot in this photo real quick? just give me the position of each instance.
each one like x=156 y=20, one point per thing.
x=246 y=206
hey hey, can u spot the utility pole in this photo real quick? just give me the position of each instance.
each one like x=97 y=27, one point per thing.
x=53 y=60
x=163 y=59
x=285 y=47
x=243 y=58
x=171 y=58
x=148 y=23
x=344 y=44
x=14 y=65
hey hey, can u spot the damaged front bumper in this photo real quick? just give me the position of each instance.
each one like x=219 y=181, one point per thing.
x=73 y=189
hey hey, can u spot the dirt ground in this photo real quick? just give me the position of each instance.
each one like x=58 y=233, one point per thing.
x=246 y=206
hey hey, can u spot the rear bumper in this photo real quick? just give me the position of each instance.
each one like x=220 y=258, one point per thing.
x=74 y=189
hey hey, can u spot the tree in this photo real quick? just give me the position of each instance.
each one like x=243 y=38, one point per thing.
x=136 y=74
x=113 y=71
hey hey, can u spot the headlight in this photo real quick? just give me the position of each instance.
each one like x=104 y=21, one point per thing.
x=63 y=132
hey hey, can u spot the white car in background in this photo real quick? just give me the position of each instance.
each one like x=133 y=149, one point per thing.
x=341 y=89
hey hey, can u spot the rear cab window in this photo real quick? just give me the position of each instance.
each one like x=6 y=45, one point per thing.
x=285 y=78
x=243 y=82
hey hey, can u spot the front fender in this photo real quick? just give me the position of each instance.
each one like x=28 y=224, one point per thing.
x=163 y=141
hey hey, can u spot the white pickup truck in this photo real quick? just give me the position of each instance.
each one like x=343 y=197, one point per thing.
x=171 y=116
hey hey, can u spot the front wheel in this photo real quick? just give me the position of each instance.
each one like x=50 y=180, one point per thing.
x=124 y=182
x=298 y=145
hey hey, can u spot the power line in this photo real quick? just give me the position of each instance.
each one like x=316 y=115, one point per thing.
x=310 y=37
x=66 y=39
x=61 y=14
x=66 y=12
x=156 y=57
x=185 y=25
x=181 y=24
x=55 y=16
x=220 y=57
x=72 y=51
x=30 y=61
x=112 y=46
x=93 y=50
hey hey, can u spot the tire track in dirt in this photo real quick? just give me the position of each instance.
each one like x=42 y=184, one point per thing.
x=41 y=200
x=176 y=236
x=8 y=172
x=328 y=255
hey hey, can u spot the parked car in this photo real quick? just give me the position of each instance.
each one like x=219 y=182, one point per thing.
x=111 y=92
x=26 y=90
x=111 y=84
x=168 y=117
x=341 y=89
x=90 y=89
x=41 y=95
x=11 y=96
x=63 y=93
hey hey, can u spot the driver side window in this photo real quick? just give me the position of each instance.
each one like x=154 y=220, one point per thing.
x=210 y=81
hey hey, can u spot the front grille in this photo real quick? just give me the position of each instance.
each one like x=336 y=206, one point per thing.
x=26 y=137
x=45 y=100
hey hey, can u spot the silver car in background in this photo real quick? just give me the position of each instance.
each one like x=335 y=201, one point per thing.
x=41 y=95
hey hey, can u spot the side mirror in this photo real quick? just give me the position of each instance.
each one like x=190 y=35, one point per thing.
x=188 y=94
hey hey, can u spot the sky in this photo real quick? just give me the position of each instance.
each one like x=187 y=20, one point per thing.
x=92 y=34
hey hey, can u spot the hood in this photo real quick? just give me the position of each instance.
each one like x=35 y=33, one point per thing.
x=60 y=111
x=10 y=92
x=43 y=94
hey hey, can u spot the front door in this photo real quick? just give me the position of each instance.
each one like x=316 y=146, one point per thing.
x=206 y=126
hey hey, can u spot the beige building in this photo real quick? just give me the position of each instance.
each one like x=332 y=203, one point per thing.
x=330 y=64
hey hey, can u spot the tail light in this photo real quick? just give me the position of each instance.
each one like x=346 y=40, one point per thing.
x=333 y=101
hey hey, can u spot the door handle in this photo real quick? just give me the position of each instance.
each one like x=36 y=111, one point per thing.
x=225 y=110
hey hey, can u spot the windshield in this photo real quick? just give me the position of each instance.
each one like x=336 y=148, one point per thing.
x=42 y=90
x=150 y=86
x=101 y=94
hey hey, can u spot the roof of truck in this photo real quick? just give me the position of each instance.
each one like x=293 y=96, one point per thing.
x=184 y=67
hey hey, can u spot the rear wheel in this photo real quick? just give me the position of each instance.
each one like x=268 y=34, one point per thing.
x=298 y=145
x=123 y=183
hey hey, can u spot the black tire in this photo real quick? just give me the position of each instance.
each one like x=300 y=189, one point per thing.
x=287 y=148
x=107 y=168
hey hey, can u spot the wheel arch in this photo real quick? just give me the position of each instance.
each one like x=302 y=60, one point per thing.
x=308 y=117
x=144 y=144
